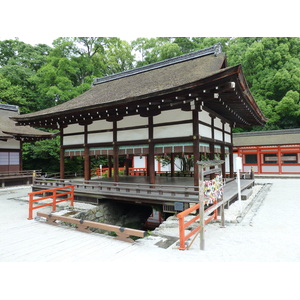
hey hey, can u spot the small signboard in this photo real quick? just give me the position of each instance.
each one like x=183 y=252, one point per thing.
x=178 y=206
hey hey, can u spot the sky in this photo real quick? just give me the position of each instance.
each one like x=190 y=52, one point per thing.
x=33 y=23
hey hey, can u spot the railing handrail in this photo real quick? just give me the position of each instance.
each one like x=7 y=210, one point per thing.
x=117 y=184
x=19 y=173
x=53 y=197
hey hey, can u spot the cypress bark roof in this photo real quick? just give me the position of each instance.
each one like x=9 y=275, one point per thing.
x=9 y=130
x=186 y=74
x=264 y=138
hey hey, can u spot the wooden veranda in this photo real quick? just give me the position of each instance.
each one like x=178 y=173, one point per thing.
x=170 y=192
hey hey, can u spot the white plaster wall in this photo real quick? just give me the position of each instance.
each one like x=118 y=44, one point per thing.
x=74 y=128
x=73 y=140
x=204 y=117
x=172 y=115
x=204 y=131
x=132 y=135
x=227 y=127
x=102 y=137
x=218 y=135
x=290 y=169
x=227 y=138
x=10 y=144
x=100 y=125
x=139 y=162
x=218 y=123
x=173 y=131
x=270 y=169
x=132 y=121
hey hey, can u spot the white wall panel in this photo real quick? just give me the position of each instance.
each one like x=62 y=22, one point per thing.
x=204 y=131
x=131 y=121
x=10 y=144
x=227 y=138
x=204 y=117
x=218 y=135
x=102 y=137
x=218 y=123
x=73 y=128
x=227 y=127
x=291 y=169
x=270 y=169
x=172 y=116
x=132 y=135
x=73 y=140
x=139 y=161
x=100 y=125
x=173 y=131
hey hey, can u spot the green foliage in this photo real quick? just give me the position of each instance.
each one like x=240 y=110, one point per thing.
x=42 y=155
x=37 y=77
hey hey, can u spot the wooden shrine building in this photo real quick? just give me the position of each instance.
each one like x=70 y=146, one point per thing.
x=11 y=141
x=187 y=104
x=269 y=152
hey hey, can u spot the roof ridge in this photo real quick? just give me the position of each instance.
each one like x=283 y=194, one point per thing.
x=9 y=107
x=215 y=49
x=267 y=132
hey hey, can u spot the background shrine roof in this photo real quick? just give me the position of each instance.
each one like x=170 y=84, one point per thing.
x=263 y=138
x=9 y=130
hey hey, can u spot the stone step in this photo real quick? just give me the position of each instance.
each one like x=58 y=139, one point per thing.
x=245 y=194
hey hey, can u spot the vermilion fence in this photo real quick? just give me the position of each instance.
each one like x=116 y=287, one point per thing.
x=131 y=171
x=54 y=195
x=184 y=225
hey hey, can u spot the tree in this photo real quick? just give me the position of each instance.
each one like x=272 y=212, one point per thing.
x=271 y=66
x=18 y=63
x=42 y=155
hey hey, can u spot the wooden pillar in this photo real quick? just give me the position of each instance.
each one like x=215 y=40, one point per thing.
x=259 y=161
x=109 y=166
x=87 y=165
x=116 y=163
x=279 y=159
x=21 y=157
x=223 y=158
x=172 y=164
x=126 y=166
x=62 y=163
x=151 y=162
x=223 y=166
x=87 y=169
x=62 y=154
x=196 y=146
x=212 y=143
x=115 y=153
x=231 y=162
x=231 y=156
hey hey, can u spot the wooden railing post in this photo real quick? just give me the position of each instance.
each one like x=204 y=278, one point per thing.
x=30 y=207
x=181 y=234
x=54 y=201
x=72 y=196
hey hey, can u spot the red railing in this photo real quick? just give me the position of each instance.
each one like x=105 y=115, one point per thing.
x=53 y=196
x=131 y=171
x=137 y=171
x=183 y=225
